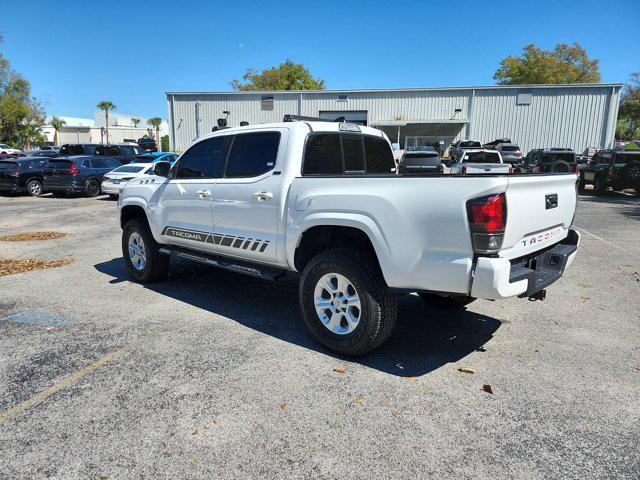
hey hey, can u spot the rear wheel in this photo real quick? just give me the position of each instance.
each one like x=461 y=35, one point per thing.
x=92 y=188
x=560 y=166
x=581 y=184
x=446 y=301
x=599 y=186
x=345 y=301
x=113 y=196
x=142 y=254
x=34 y=188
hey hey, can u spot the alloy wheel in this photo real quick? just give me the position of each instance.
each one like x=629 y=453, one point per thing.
x=337 y=303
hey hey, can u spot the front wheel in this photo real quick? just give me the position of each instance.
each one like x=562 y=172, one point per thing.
x=581 y=184
x=446 y=301
x=599 y=187
x=345 y=301
x=142 y=253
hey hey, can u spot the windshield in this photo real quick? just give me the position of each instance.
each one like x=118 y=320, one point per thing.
x=509 y=148
x=129 y=169
x=481 y=157
x=470 y=145
x=420 y=155
x=628 y=158
x=555 y=156
x=4 y=145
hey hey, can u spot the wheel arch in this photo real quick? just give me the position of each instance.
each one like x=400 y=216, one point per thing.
x=131 y=211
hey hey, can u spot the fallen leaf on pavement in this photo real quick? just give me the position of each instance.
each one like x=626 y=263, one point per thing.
x=195 y=432
x=49 y=329
x=339 y=370
x=385 y=400
x=360 y=400
x=466 y=370
x=487 y=388
x=413 y=379
x=193 y=461
x=283 y=406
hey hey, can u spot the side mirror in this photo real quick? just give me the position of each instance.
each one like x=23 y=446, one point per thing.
x=161 y=169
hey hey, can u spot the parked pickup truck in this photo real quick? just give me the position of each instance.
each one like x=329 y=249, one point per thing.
x=480 y=161
x=616 y=169
x=322 y=199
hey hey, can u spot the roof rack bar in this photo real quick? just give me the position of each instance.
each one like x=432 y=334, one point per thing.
x=300 y=118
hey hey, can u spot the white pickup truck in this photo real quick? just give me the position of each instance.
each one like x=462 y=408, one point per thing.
x=323 y=199
x=480 y=161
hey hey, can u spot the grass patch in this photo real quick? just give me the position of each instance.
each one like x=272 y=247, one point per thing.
x=13 y=266
x=26 y=237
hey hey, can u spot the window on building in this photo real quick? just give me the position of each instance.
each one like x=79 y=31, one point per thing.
x=342 y=98
x=204 y=160
x=267 y=102
x=253 y=154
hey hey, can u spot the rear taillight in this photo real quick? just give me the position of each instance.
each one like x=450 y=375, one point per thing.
x=518 y=154
x=74 y=170
x=610 y=171
x=14 y=174
x=487 y=219
x=464 y=169
x=510 y=169
x=536 y=169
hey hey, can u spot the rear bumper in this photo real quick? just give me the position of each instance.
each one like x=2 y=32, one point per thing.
x=112 y=188
x=497 y=278
x=49 y=186
x=10 y=185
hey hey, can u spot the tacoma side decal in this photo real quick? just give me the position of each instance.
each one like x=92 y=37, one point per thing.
x=224 y=240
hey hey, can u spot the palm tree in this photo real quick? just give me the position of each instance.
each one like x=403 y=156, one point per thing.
x=106 y=106
x=135 y=122
x=57 y=124
x=155 y=122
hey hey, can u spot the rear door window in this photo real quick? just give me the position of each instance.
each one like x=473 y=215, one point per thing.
x=379 y=156
x=203 y=160
x=353 y=153
x=253 y=154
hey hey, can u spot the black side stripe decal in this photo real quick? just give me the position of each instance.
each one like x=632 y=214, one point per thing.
x=224 y=240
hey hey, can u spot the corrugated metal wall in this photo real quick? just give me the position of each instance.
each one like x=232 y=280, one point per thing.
x=560 y=116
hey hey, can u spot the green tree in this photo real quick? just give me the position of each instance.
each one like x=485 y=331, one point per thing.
x=57 y=124
x=21 y=116
x=135 y=121
x=106 y=105
x=287 y=76
x=564 y=64
x=165 y=143
x=155 y=122
x=628 y=127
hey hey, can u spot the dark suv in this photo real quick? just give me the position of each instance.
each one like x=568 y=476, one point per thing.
x=81 y=174
x=549 y=160
x=617 y=169
x=122 y=153
x=22 y=174
x=420 y=162
x=69 y=149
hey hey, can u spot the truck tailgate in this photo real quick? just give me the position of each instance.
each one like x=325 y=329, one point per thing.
x=540 y=210
x=487 y=167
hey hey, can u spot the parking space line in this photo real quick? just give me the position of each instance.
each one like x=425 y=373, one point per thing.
x=608 y=242
x=80 y=374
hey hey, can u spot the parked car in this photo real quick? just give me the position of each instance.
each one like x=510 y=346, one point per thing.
x=549 y=160
x=4 y=148
x=114 y=181
x=23 y=174
x=337 y=213
x=480 y=161
x=81 y=174
x=122 y=153
x=417 y=161
x=157 y=157
x=69 y=149
x=510 y=153
x=616 y=169
x=492 y=145
x=148 y=144
x=457 y=149
x=38 y=153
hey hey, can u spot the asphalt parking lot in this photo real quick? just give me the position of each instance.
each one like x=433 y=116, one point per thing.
x=212 y=374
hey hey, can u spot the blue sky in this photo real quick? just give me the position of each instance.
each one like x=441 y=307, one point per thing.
x=76 y=53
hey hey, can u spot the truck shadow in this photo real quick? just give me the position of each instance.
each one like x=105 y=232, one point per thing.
x=425 y=337
x=626 y=204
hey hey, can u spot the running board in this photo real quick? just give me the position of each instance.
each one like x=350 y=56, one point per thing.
x=259 y=271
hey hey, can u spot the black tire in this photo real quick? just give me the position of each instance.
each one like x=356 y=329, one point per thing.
x=113 y=196
x=581 y=184
x=156 y=265
x=559 y=166
x=34 y=188
x=92 y=188
x=599 y=186
x=378 y=304
x=59 y=194
x=444 y=301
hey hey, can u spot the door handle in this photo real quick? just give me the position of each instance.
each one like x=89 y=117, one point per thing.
x=262 y=196
x=203 y=193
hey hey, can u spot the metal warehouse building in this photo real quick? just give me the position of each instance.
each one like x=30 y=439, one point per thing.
x=534 y=116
